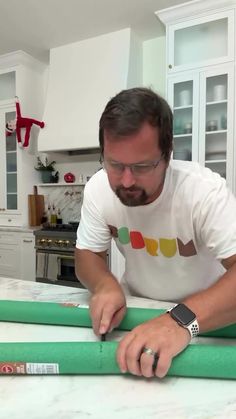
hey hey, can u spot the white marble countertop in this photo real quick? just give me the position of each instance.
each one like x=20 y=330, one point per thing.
x=100 y=397
x=24 y=229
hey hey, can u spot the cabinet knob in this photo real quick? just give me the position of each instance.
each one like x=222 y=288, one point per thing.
x=170 y=65
x=9 y=220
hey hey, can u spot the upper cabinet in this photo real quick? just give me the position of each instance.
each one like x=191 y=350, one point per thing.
x=193 y=43
x=22 y=76
x=198 y=34
x=200 y=62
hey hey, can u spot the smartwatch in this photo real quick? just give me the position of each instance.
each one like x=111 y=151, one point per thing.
x=185 y=318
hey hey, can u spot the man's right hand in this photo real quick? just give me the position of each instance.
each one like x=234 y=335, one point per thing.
x=107 y=307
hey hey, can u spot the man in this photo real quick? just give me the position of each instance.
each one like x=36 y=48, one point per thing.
x=174 y=222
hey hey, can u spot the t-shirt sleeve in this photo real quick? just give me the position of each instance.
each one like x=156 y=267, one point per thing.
x=216 y=221
x=93 y=232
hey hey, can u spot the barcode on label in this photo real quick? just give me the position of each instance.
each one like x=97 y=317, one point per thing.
x=41 y=368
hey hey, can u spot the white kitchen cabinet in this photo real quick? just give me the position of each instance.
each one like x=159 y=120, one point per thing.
x=201 y=82
x=28 y=257
x=22 y=76
x=203 y=103
x=204 y=40
x=17 y=255
x=10 y=265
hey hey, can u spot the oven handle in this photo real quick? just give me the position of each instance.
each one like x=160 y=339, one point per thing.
x=65 y=257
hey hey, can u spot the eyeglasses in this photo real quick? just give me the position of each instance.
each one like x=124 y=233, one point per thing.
x=137 y=169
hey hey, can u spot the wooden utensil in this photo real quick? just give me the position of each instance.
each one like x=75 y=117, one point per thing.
x=36 y=208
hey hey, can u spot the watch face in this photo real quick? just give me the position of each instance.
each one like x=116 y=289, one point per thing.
x=183 y=314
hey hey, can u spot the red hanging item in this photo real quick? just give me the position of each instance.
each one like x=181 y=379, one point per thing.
x=22 y=122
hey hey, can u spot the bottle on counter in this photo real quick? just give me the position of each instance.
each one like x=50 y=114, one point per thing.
x=53 y=218
x=59 y=217
x=49 y=213
x=44 y=218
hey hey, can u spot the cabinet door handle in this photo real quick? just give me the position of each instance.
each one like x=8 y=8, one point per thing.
x=27 y=241
x=2 y=209
x=9 y=220
x=170 y=65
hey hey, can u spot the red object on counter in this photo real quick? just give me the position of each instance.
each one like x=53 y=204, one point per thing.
x=69 y=177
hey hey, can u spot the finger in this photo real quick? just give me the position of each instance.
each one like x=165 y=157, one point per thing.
x=117 y=318
x=163 y=364
x=133 y=352
x=147 y=363
x=106 y=319
x=121 y=351
x=95 y=314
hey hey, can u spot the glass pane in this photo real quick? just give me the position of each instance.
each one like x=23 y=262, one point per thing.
x=11 y=183
x=12 y=202
x=11 y=162
x=216 y=88
x=11 y=142
x=10 y=137
x=183 y=94
x=198 y=42
x=216 y=123
x=183 y=111
x=218 y=167
x=7 y=85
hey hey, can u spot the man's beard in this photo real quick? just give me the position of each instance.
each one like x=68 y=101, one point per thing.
x=131 y=199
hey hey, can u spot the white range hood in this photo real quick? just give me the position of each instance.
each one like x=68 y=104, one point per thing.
x=83 y=76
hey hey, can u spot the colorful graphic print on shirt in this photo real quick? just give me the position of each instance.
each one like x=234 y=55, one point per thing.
x=167 y=247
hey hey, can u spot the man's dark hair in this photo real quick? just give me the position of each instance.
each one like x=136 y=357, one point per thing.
x=126 y=112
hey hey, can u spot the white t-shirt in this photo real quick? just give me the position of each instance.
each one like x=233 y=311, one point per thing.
x=173 y=246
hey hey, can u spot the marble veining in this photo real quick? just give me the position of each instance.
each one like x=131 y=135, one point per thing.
x=66 y=198
x=100 y=397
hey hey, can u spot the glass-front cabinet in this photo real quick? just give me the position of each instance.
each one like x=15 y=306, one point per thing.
x=202 y=103
x=9 y=161
x=11 y=165
x=202 y=41
x=183 y=97
x=23 y=76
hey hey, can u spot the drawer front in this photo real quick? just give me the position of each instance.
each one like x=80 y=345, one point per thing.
x=9 y=238
x=11 y=220
x=10 y=260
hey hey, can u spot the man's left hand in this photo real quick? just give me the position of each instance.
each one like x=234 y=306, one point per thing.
x=163 y=336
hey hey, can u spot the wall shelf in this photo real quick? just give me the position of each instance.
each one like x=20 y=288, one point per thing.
x=59 y=184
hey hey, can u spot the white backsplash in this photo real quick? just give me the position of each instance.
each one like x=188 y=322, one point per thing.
x=66 y=198
x=69 y=198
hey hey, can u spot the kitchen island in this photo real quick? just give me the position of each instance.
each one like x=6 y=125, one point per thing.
x=97 y=396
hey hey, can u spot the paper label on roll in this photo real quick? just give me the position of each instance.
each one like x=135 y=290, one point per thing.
x=41 y=368
x=14 y=368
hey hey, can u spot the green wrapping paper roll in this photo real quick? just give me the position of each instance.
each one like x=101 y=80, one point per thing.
x=76 y=315
x=209 y=361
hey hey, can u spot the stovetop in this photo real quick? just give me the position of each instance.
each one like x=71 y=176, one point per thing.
x=60 y=227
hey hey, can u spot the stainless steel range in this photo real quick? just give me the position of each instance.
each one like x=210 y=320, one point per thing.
x=55 y=262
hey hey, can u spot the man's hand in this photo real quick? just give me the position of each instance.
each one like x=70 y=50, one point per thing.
x=163 y=335
x=107 y=307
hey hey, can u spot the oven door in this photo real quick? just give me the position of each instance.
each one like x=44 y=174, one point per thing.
x=58 y=268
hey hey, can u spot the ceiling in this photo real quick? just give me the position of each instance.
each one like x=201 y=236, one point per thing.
x=36 y=26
